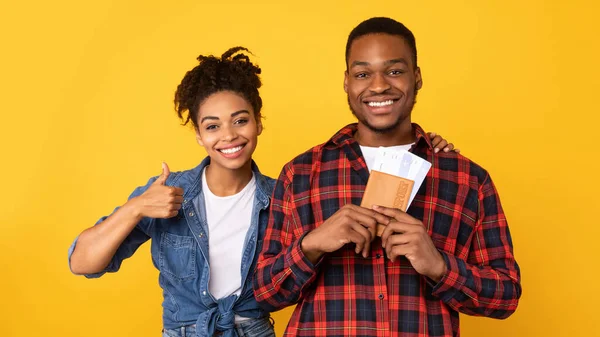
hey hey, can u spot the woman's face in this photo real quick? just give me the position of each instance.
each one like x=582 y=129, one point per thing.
x=228 y=129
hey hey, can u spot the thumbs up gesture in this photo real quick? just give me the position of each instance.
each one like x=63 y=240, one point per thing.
x=160 y=201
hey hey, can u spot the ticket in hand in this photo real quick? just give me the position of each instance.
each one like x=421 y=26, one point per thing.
x=395 y=178
x=403 y=164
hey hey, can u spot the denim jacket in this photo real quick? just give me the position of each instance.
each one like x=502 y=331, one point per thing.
x=180 y=252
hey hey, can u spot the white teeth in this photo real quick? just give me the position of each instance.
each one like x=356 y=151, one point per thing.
x=231 y=150
x=378 y=104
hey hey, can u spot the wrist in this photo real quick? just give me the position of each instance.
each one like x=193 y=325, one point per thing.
x=310 y=249
x=440 y=270
x=134 y=208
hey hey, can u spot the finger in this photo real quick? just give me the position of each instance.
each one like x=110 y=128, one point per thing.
x=400 y=239
x=370 y=219
x=165 y=170
x=396 y=214
x=367 y=237
x=390 y=230
x=396 y=228
x=457 y=150
x=367 y=221
x=431 y=135
x=353 y=213
x=168 y=212
x=170 y=209
x=400 y=245
x=164 y=175
x=172 y=213
x=177 y=191
x=178 y=199
x=437 y=140
x=356 y=238
x=399 y=250
x=354 y=232
x=449 y=147
x=368 y=216
x=174 y=203
x=438 y=143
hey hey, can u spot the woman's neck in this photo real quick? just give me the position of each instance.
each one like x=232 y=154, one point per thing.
x=224 y=182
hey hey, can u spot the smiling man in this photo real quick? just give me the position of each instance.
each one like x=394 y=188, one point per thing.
x=451 y=252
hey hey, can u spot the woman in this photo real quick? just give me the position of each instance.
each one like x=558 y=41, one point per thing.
x=205 y=223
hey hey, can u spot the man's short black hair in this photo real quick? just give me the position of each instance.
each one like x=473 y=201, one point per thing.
x=382 y=25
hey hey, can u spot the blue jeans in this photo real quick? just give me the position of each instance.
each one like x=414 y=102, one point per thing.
x=262 y=327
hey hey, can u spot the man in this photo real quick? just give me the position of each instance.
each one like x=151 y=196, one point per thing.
x=451 y=252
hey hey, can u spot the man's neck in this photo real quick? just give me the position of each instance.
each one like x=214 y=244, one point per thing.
x=402 y=135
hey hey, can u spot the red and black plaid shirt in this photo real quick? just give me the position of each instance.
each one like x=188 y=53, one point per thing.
x=345 y=294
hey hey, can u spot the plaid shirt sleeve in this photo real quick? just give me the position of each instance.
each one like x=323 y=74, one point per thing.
x=488 y=283
x=283 y=272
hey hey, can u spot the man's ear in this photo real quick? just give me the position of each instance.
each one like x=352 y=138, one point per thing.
x=346 y=81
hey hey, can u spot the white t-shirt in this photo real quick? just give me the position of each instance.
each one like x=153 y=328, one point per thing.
x=369 y=153
x=228 y=221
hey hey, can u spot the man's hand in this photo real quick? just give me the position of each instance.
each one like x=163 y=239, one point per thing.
x=406 y=236
x=350 y=223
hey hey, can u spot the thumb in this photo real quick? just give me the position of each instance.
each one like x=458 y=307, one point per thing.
x=164 y=175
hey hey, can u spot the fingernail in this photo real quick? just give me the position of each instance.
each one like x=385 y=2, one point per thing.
x=436 y=150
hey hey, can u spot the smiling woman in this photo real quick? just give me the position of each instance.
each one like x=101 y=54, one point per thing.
x=225 y=196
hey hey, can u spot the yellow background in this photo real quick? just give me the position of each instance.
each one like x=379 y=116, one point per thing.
x=87 y=115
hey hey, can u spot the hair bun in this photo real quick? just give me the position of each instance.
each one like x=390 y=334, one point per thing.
x=236 y=57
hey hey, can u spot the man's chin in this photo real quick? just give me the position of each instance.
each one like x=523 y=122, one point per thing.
x=381 y=127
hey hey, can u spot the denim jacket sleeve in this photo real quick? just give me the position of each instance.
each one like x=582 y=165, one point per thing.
x=139 y=235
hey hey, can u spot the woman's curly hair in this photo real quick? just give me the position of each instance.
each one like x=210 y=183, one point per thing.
x=233 y=71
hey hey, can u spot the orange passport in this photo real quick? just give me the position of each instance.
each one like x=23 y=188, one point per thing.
x=387 y=190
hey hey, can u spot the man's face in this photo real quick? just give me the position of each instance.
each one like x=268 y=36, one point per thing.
x=381 y=81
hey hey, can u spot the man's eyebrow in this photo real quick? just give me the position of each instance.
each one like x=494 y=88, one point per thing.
x=394 y=61
x=359 y=63
x=386 y=63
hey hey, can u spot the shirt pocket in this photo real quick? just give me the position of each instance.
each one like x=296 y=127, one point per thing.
x=177 y=257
